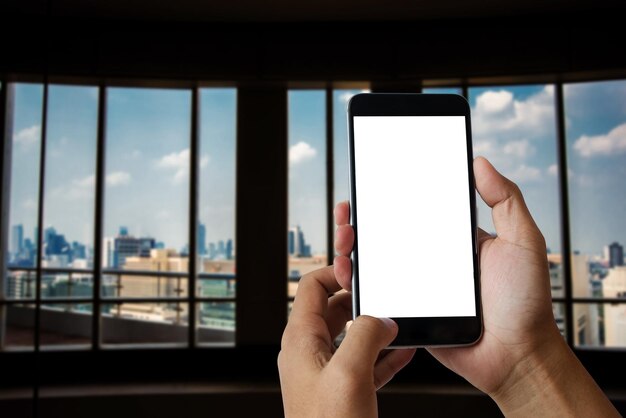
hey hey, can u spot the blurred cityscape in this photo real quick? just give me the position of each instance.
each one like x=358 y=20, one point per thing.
x=129 y=263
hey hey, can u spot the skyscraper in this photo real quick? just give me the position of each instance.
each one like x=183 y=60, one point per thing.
x=116 y=250
x=109 y=258
x=296 y=244
x=616 y=255
x=202 y=239
x=17 y=240
x=229 y=249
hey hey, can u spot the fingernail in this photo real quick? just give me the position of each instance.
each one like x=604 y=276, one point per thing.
x=389 y=323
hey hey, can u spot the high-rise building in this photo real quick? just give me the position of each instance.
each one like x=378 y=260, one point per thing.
x=116 y=250
x=212 y=251
x=55 y=244
x=109 y=258
x=614 y=286
x=129 y=246
x=229 y=249
x=296 y=244
x=202 y=239
x=17 y=240
x=616 y=255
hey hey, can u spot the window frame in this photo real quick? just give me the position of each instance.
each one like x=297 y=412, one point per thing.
x=260 y=357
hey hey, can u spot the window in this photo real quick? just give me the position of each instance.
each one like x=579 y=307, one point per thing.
x=595 y=116
x=19 y=284
x=216 y=230
x=145 y=272
x=306 y=236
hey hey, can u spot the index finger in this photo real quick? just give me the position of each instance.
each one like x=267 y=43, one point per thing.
x=313 y=292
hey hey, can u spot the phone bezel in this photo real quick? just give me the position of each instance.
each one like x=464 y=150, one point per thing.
x=420 y=331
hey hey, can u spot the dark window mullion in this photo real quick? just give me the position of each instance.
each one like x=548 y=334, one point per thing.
x=193 y=214
x=564 y=206
x=5 y=155
x=98 y=215
x=40 y=232
x=330 y=176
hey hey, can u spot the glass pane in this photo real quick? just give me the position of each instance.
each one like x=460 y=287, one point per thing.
x=217 y=323
x=340 y=142
x=66 y=284
x=127 y=285
x=600 y=325
x=212 y=286
x=218 y=139
x=147 y=179
x=515 y=128
x=443 y=90
x=20 y=284
x=306 y=237
x=596 y=149
x=18 y=322
x=64 y=325
x=24 y=128
x=558 y=309
x=70 y=176
x=145 y=323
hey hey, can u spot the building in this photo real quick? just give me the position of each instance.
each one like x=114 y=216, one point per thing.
x=17 y=241
x=296 y=244
x=158 y=260
x=117 y=250
x=614 y=286
x=202 y=239
x=586 y=324
x=108 y=252
x=616 y=255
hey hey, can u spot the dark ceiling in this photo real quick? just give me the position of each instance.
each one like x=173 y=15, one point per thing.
x=301 y=10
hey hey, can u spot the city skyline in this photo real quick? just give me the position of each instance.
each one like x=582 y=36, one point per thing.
x=56 y=244
x=513 y=125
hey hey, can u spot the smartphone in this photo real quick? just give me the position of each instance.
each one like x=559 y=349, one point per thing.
x=413 y=210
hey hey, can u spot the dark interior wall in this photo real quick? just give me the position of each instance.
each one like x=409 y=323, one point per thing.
x=524 y=45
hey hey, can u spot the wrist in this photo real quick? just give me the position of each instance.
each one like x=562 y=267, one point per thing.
x=537 y=379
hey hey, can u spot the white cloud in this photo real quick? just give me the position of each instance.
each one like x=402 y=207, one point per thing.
x=499 y=114
x=553 y=170
x=494 y=101
x=482 y=147
x=118 y=178
x=301 y=152
x=82 y=188
x=177 y=162
x=612 y=143
x=28 y=136
x=525 y=174
x=521 y=149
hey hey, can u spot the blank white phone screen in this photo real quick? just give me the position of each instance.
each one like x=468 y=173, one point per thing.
x=413 y=214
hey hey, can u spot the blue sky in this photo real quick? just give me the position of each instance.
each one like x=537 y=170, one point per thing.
x=147 y=158
x=147 y=162
x=515 y=128
x=307 y=165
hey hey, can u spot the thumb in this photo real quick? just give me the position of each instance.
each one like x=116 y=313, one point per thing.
x=510 y=214
x=364 y=341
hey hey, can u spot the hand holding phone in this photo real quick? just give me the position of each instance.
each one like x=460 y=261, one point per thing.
x=414 y=151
